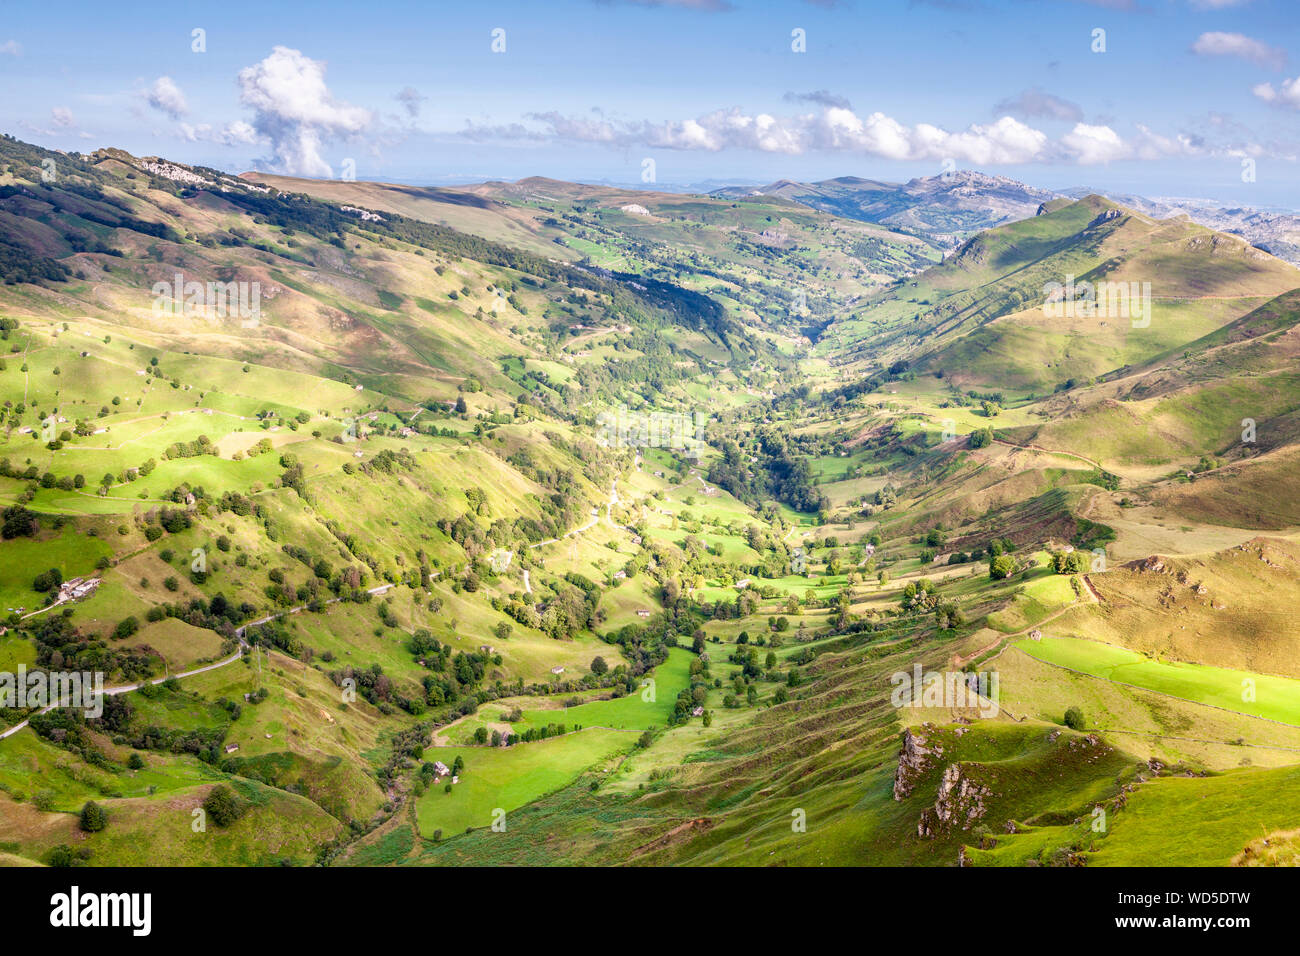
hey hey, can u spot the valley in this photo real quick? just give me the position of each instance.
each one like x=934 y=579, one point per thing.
x=540 y=523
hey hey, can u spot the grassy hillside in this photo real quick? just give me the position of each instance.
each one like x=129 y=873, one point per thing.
x=635 y=509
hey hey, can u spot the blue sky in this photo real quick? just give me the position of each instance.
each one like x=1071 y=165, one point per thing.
x=1184 y=92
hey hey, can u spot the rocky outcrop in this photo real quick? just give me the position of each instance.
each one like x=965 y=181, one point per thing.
x=1154 y=563
x=960 y=803
x=1105 y=217
x=914 y=760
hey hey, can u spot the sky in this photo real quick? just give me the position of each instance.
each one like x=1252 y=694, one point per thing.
x=1185 y=98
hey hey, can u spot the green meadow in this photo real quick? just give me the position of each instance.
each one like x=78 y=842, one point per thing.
x=507 y=778
x=1276 y=698
x=638 y=710
x=1200 y=821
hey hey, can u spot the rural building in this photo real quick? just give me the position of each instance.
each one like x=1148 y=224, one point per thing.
x=74 y=589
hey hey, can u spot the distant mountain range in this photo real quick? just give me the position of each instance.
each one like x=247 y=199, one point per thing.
x=951 y=207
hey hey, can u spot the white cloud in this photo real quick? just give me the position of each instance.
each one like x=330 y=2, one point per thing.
x=1288 y=94
x=62 y=117
x=1006 y=141
x=1240 y=45
x=167 y=97
x=835 y=128
x=1087 y=145
x=295 y=111
x=11 y=48
x=237 y=133
x=1149 y=144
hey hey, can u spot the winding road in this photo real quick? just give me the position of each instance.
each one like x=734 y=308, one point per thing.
x=239 y=653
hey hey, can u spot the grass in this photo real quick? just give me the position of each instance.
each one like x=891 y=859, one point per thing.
x=1191 y=821
x=1276 y=698
x=507 y=778
x=21 y=559
x=278 y=828
x=630 y=712
x=311 y=760
x=1032 y=602
x=30 y=765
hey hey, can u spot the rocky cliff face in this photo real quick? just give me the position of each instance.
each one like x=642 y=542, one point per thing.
x=960 y=803
x=914 y=760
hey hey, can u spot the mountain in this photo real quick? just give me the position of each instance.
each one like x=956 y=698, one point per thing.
x=1275 y=231
x=952 y=207
x=985 y=317
x=945 y=208
x=632 y=519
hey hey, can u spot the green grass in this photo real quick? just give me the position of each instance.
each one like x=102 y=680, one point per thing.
x=30 y=765
x=278 y=828
x=1276 y=698
x=21 y=559
x=1200 y=821
x=630 y=712
x=507 y=778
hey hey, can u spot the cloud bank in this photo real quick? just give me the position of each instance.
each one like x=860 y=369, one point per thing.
x=1006 y=141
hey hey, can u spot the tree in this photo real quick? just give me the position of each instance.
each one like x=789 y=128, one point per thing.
x=645 y=740
x=981 y=437
x=598 y=666
x=1074 y=719
x=93 y=817
x=223 y=805
x=64 y=856
x=18 y=522
x=1001 y=566
x=48 y=581
x=948 y=616
x=1072 y=562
